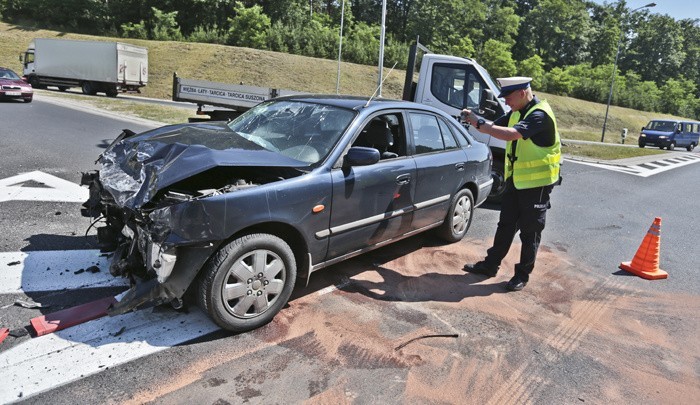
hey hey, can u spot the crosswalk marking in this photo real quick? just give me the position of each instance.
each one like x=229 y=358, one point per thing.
x=648 y=168
x=44 y=363
x=50 y=361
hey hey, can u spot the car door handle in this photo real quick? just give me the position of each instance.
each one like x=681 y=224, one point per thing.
x=403 y=179
x=459 y=166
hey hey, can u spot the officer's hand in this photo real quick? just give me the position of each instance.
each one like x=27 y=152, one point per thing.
x=469 y=116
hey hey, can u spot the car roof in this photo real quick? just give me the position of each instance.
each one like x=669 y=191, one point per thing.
x=358 y=103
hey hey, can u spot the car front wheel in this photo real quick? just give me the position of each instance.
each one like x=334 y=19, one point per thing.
x=672 y=146
x=690 y=147
x=247 y=282
x=459 y=217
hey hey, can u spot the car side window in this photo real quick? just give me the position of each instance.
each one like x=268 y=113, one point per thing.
x=447 y=136
x=426 y=133
x=386 y=133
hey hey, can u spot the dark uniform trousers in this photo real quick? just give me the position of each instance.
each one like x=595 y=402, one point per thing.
x=523 y=210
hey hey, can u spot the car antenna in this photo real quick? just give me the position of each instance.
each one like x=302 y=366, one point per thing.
x=380 y=84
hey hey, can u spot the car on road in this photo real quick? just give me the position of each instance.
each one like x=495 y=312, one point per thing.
x=234 y=212
x=14 y=87
x=670 y=134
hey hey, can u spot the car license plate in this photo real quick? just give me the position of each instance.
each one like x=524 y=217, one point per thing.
x=13 y=93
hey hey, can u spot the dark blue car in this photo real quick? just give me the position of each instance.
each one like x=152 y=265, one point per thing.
x=237 y=211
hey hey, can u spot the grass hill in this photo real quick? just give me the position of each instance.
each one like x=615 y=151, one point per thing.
x=577 y=119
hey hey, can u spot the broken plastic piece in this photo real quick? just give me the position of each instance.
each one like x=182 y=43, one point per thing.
x=71 y=316
x=30 y=304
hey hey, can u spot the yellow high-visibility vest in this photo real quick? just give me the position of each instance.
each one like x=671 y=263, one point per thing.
x=534 y=166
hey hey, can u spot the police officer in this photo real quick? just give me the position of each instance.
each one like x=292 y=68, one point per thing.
x=533 y=154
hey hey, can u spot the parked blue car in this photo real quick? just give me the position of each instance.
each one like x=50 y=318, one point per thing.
x=235 y=211
x=670 y=134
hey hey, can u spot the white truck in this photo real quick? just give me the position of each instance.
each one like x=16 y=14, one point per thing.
x=94 y=66
x=446 y=82
x=451 y=84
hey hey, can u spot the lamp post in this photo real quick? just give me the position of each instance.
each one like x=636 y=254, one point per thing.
x=612 y=83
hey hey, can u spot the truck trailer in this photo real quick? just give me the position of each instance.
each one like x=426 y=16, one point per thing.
x=94 y=66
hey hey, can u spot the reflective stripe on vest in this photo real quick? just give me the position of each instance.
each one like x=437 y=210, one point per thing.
x=534 y=166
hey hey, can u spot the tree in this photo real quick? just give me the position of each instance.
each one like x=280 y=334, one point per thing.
x=656 y=53
x=533 y=67
x=605 y=34
x=557 y=30
x=497 y=59
x=249 y=27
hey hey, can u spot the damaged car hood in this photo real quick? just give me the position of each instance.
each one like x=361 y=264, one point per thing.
x=135 y=168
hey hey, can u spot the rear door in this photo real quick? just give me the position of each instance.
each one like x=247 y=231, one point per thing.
x=441 y=167
x=373 y=204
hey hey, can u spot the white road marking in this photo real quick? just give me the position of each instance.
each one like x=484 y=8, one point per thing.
x=647 y=169
x=50 y=361
x=54 y=270
x=57 y=189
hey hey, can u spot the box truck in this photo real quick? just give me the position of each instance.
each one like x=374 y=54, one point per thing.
x=94 y=66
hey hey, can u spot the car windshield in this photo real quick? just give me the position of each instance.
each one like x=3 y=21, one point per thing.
x=662 y=126
x=300 y=130
x=8 y=74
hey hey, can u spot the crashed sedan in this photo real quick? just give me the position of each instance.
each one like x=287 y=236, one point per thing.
x=235 y=212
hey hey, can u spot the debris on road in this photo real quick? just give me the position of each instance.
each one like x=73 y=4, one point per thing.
x=14 y=263
x=30 y=304
x=402 y=345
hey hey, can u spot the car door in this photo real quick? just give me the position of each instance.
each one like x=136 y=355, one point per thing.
x=373 y=204
x=441 y=167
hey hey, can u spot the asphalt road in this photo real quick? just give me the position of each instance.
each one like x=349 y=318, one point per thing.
x=582 y=331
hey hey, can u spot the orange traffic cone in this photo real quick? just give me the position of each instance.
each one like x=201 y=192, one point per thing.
x=645 y=263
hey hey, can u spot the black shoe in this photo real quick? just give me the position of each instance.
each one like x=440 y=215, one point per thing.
x=515 y=284
x=481 y=268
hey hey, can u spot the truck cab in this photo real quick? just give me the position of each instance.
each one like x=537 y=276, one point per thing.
x=451 y=84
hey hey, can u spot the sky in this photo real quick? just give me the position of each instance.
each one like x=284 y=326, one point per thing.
x=678 y=9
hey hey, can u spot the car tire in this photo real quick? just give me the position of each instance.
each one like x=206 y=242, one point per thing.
x=88 y=89
x=672 y=146
x=459 y=217
x=690 y=147
x=28 y=100
x=259 y=272
x=499 y=182
x=112 y=92
x=642 y=144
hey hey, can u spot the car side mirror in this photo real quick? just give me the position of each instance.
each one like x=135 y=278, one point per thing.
x=643 y=128
x=21 y=58
x=361 y=156
x=488 y=104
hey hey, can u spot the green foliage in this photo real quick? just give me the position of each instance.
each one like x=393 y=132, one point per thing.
x=164 y=26
x=559 y=81
x=533 y=67
x=249 y=27
x=677 y=96
x=132 y=30
x=209 y=35
x=574 y=41
x=497 y=59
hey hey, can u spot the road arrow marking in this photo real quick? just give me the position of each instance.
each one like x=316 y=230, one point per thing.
x=56 y=189
x=54 y=270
